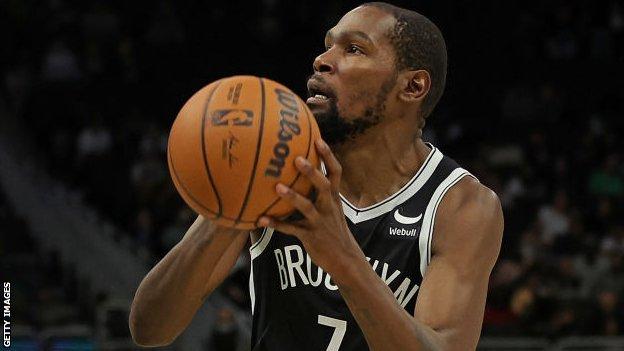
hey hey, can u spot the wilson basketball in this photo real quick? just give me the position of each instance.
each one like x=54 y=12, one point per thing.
x=233 y=141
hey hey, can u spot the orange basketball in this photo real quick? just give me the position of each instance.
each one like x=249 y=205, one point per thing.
x=233 y=141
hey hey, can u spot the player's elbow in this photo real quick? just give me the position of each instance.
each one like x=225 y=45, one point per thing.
x=147 y=341
x=143 y=335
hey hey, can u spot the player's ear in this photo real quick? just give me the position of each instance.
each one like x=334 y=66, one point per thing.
x=414 y=85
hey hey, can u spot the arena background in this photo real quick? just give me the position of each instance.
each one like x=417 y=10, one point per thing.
x=89 y=89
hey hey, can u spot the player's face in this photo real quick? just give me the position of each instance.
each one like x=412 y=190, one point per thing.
x=355 y=75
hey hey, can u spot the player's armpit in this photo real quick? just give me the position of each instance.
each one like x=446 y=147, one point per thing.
x=466 y=243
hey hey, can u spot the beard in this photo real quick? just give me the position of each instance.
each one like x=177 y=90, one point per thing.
x=336 y=129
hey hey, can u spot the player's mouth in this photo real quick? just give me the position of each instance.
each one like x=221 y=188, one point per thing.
x=317 y=99
x=319 y=93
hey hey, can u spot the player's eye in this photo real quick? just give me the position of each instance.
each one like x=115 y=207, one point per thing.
x=353 y=49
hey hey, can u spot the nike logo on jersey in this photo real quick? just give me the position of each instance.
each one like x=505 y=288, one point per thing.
x=406 y=220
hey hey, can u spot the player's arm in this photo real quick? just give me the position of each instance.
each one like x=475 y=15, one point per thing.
x=466 y=243
x=172 y=292
x=450 y=305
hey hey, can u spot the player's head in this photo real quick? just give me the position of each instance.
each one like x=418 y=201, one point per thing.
x=381 y=63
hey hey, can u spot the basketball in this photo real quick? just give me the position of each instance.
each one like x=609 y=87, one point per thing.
x=233 y=141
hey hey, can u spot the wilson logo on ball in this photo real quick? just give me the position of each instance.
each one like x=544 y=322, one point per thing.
x=237 y=117
x=289 y=126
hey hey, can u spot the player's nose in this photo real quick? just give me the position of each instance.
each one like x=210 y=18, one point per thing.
x=322 y=64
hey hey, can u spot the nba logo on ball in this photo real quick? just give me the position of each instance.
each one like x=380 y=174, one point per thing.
x=233 y=116
x=233 y=141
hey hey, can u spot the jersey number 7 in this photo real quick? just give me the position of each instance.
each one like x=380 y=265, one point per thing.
x=340 y=328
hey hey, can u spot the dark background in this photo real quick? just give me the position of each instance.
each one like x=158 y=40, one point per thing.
x=533 y=107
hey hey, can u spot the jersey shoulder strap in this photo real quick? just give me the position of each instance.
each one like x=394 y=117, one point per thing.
x=449 y=173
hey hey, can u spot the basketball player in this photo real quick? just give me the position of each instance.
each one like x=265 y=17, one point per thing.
x=397 y=248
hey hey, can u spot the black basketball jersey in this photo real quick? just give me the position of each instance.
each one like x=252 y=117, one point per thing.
x=296 y=305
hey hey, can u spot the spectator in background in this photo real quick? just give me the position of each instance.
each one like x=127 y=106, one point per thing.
x=563 y=42
x=611 y=278
x=94 y=140
x=553 y=218
x=523 y=304
x=149 y=171
x=60 y=64
x=606 y=315
x=153 y=140
x=94 y=162
x=530 y=246
x=148 y=174
x=144 y=232
x=225 y=333
x=565 y=321
x=608 y=180
x=613 y=242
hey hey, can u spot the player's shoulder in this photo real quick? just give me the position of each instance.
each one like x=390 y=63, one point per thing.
x=471 y=195
x=469 y=228
x=471 y=209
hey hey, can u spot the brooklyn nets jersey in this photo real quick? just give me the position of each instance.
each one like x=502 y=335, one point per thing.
x=296 y=305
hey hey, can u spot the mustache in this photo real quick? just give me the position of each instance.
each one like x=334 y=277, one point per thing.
x=319 y=80
x=315 y=77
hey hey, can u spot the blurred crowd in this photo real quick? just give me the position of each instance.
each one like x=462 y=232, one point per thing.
x=533 y=107
x=44 y=293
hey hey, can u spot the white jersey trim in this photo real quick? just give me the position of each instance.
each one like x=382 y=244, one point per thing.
x=256 y=249
x=357 y=215
x=426 y=230
x=252 y=290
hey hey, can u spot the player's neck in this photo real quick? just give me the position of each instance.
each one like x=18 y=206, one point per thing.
x=379 y=162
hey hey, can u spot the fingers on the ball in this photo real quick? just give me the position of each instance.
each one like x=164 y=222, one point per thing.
x=285 y=227
x=301 y=203
x=264 y=221
x=316 y=177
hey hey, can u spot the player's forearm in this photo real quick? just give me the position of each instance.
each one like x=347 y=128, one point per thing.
x=385 y=324
x=175 y=288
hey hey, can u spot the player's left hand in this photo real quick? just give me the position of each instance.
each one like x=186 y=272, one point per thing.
x=323 y=231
